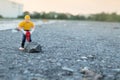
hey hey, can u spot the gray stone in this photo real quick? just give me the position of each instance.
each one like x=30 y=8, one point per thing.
x=84 y=58
x=33 y=47
x=91 y=57
x=109 y=77
x=26 y=72
x=58 y=64
x=3 y=72
x=67 y=71
x=38 y=78
x=19 y=77
x=90 y=75
x=116 y=70
x=118 y=77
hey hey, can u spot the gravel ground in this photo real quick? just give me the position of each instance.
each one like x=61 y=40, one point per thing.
x=68 y=47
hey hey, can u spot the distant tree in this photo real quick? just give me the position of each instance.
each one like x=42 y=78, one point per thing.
x=43 y=15
x=113 y=17
x=62 y=16
x=26 y=13
x=104 y=17
x=35 y=15
x=1 y=16
x=20 y=16
x=51 y=15
x=98 y=17
x=78 y=17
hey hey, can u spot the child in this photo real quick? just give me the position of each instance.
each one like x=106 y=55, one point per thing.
x=27 y=27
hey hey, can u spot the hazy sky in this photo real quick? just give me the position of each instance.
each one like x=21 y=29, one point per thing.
x=71 y=6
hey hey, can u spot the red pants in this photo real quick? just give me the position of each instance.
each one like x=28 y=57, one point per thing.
x=25 y=37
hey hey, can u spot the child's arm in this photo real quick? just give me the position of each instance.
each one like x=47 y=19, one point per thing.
x=32 y=30
x=21 y=29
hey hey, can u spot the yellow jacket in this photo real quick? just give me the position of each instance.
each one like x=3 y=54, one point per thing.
x=26 y=25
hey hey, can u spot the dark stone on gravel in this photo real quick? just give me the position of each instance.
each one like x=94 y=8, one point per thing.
x=33 y=47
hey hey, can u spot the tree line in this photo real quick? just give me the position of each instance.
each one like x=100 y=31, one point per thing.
x=110 y=17
x=53 y=15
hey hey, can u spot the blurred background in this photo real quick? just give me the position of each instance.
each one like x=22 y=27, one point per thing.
x=97 y=10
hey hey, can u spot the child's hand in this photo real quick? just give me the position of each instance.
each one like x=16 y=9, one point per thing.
x=24 y=32
x=17 y=29
x=32 y=30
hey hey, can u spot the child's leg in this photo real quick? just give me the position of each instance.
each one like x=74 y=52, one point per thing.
x=23 y=41
x=30 y=39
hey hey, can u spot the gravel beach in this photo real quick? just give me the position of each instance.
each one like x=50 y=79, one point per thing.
x=68 y=47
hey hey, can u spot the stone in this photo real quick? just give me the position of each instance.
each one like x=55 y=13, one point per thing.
x=116 y=70
x=91 y=57
x=90 y=75
x=109 y=77
x=84 y=58
x=19 y=77
x=58 y=64
x=67 y=71
x=3 y=72
x=26 y=72
x=37 y=78
x=33 y=47
x=116 y=28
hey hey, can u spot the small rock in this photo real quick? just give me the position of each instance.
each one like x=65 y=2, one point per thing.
x=109 y=77
x=91 y=57
x=109 y=66
x=18 y=77
x=52 y=60
x=78 y=60
x=85 y=68
x=116 y=27
x=90 y=75
x=116 y=70
x=3 y=72
x=38 y=79
x=68 y=71
x=84 y=58
x=2 y=75
x=58 y=64
x=11 y=67
x=26 y=72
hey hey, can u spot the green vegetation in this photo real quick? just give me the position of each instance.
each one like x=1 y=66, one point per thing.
x=113 y=17
x=1 y=16
x=110 y=17
x=53 y=15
